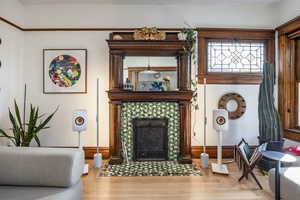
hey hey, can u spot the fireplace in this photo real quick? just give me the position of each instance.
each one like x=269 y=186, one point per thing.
x=150 y=139
x=160 y=119
x=124 y=106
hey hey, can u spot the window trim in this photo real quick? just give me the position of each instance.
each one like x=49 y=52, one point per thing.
x=287 y=82
x=209 y=34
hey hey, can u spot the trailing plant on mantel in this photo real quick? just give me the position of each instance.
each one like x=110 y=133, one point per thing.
x=190 y=35
x=24 y=132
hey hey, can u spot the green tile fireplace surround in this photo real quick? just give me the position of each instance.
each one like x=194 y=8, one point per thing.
x=169 y=110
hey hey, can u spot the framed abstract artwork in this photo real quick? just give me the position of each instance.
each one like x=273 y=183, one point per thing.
x=64 y=71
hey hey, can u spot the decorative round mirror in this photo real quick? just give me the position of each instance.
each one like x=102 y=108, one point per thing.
x=234 y=103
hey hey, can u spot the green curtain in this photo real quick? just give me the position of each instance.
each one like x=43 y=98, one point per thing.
x=269 y=121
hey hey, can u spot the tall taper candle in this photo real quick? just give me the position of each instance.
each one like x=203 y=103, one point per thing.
x=204 y=156
x=24 y=107
x=97 y=115
x=97 y=156
x=205 y=117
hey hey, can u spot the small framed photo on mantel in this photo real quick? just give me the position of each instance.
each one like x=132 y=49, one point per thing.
x=64 y=71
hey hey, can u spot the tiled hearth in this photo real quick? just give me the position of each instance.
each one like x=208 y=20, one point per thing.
x=134 y=110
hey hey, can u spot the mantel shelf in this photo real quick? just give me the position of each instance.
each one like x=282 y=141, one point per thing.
x=167 y=45
x=150 y=96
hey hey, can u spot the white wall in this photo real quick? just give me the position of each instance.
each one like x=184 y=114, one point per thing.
x=97 y=15
x=11 y=55
x=61 y=133
x=288 y=9
x=245 y=127
x=13 y=11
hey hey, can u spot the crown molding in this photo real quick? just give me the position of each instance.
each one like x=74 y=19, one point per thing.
x=78 y=29
x=122 y=29
x=289 y=26
x=11 y=24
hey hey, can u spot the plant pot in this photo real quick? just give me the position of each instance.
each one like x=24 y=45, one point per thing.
x=275 y=146
x=272 y=145
x=181 y=36
x=267 y=164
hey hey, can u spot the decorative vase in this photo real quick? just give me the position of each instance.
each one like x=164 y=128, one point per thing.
x=157 y=86
x=128 y=85
x=181 y=36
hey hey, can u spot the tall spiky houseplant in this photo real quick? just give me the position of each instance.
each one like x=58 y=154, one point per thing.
x=24 y=132
x=270 y=129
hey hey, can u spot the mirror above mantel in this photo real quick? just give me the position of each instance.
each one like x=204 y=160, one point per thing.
x=150 y=73
x=134 y=59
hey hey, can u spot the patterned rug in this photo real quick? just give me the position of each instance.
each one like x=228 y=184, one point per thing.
x=162 y=168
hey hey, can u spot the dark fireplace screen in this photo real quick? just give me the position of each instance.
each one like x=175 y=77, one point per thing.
x=150 y=139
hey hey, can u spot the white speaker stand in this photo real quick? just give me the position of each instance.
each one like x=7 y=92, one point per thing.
x=218 y=167
x=86 y=166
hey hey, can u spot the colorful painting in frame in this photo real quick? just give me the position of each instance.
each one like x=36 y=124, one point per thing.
x=65 y=71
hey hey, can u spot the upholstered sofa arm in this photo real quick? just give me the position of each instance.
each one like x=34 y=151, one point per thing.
x=290 y=182
x=52 y=167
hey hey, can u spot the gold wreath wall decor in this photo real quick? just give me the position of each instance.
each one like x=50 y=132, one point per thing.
x=241 y=105
x=149 y=34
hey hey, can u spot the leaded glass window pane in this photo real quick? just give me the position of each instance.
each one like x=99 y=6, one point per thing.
x=235 y=56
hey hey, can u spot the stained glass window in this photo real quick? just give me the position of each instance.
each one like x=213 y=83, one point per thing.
x=235 y=56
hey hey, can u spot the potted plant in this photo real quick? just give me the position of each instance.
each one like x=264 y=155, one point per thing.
x=190 y=35
x=24 y=132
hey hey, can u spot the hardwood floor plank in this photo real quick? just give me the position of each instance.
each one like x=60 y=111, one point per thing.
x=207 y=187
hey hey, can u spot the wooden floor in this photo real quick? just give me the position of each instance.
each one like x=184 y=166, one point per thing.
x=207 y=187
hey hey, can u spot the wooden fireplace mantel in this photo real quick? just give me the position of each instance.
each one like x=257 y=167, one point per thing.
x=129 y=47
x=146 y=47
x=177 y=96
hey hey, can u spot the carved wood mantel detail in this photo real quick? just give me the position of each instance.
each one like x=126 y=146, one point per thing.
x=129 y=47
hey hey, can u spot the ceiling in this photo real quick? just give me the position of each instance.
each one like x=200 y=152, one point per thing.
x=147 y=2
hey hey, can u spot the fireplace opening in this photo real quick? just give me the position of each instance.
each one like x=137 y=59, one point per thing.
x=150 y=139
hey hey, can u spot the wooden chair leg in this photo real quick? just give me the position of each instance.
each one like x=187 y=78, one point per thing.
x=258 y=183
x=246 y=171
x=241 y=178
x=240 y=162
x=245 y=174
